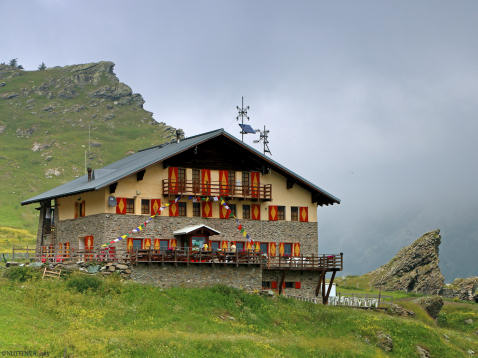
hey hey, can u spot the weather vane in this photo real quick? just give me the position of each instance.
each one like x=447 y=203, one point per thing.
x=264 y=137
x=245 y=128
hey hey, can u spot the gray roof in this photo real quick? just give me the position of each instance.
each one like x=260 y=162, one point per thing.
x=146 y=157
x=192 y=228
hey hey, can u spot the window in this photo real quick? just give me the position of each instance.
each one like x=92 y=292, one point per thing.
x=214 y=246
x=129 y=206
x=232 y=181
x=246 y=182
x=196 y=209
x=281 y=213
x=163 y=245
x=289 y=284
x=79 y=209
x=181 y=179
x=287 y=249
x=239 y=246
x=196 y=180
x=246 y=211
x=181 y=209
x=145 y=206
x=137 y=244
x=264 y=247
x=266 y=284
x=294 y=213
x=233 y=209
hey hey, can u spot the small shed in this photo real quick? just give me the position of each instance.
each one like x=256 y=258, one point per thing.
x=194 y=236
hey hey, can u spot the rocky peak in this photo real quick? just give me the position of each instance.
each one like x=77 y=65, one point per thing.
x=414 y=268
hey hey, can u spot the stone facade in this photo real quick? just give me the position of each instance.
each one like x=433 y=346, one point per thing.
x=105 y=227
x=243 y=277
x=308 y=281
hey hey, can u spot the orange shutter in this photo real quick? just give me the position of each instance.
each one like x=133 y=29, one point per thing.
x=206 y=182
x=223 y=212
x=255 y=184
x=257 y=245
x=67 y=249
x=304 y=214
x=224 y=245
x=281 y=249
x=297 y=284
x=156 y=244
x=83 y=208
x=76 y=209
x=223 y=182
x=129 y=244
x=296 y=251
x=172 y=244
x=272 y=212
x=206 y=209
x=120 y=205
x=173 y=180
x=155 y=205
x=248 y=245
x=146 y=244
x=256 y=211
x=272 y=249
x=89 y=246
x=173 y=209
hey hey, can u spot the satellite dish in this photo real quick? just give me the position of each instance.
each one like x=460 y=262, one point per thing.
x=111 y=201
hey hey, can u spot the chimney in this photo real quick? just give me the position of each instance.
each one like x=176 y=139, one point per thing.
x=178 y=135
x=90 y=174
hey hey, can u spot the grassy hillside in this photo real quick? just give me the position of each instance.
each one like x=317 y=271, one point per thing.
x=116 y=319
x=45 y=117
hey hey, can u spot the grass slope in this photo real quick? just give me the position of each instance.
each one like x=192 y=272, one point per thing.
x=40 y=112
x=130 y=320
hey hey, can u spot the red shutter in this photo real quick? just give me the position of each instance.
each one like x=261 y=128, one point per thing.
x=206 y=209
x=281 y=249
x=173 y=180
x=156 y=244
x=76 y=210
x=272 y=212
x=224 y=244
x=249 y=245
x=173 y=209
x=223 y=182
x=129 y=244
x=155 y=205
x=146 y=244
x=274 y=284
x=223 y=212
x=255 y=184
x=256 y=211
x=272 y=249
x=120 y=205
x=206 y=182
x=296 y=249
x=172 y=244
x=83 y=208
x=283 y=284
x=257 y=246
x=297 y=284
x=304 y=214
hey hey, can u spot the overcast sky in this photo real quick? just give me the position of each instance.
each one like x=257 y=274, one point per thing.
x=374 y=101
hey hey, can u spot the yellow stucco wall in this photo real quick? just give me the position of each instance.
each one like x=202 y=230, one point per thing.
x=151 y=188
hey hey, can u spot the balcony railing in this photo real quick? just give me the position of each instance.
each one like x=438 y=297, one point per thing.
x=215 y=188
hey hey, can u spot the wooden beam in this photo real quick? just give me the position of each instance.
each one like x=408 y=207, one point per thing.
x=325 y=301
x=290 y=183
x=321 y=277
x=281 y=284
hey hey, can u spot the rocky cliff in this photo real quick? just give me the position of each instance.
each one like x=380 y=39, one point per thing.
x=463 y=289
x=46 y=118
x=413 y=269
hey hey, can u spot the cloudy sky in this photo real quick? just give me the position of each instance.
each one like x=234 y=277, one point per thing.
x=374 y=101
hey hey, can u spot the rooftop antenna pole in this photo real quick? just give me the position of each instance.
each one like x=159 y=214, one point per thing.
x=264 y=137
x=242 y=113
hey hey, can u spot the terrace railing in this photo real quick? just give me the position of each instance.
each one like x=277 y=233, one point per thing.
x=215 y=188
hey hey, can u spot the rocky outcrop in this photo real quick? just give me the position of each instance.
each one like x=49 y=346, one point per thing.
x=413 y=269
x=462 y=288
x=432 y=305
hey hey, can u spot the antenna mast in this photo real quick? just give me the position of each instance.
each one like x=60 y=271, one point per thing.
x=242 y=113
x=264 y=137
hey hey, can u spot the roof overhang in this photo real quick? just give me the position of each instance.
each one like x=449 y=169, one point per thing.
x=193 y=229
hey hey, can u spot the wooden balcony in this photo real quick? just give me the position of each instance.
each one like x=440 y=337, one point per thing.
x=215 y=188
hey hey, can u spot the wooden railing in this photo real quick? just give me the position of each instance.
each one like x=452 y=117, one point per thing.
x=187 y=257
x=215 y=188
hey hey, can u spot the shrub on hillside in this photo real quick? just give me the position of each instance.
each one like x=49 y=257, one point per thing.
x=83 y=283
x=21 y=273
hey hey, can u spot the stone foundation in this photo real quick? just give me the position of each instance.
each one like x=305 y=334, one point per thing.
x=244 y=277
x=308 y=281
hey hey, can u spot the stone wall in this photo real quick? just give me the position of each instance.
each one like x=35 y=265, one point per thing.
x=308 y=281
x=167 y=275
x=105 y=227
